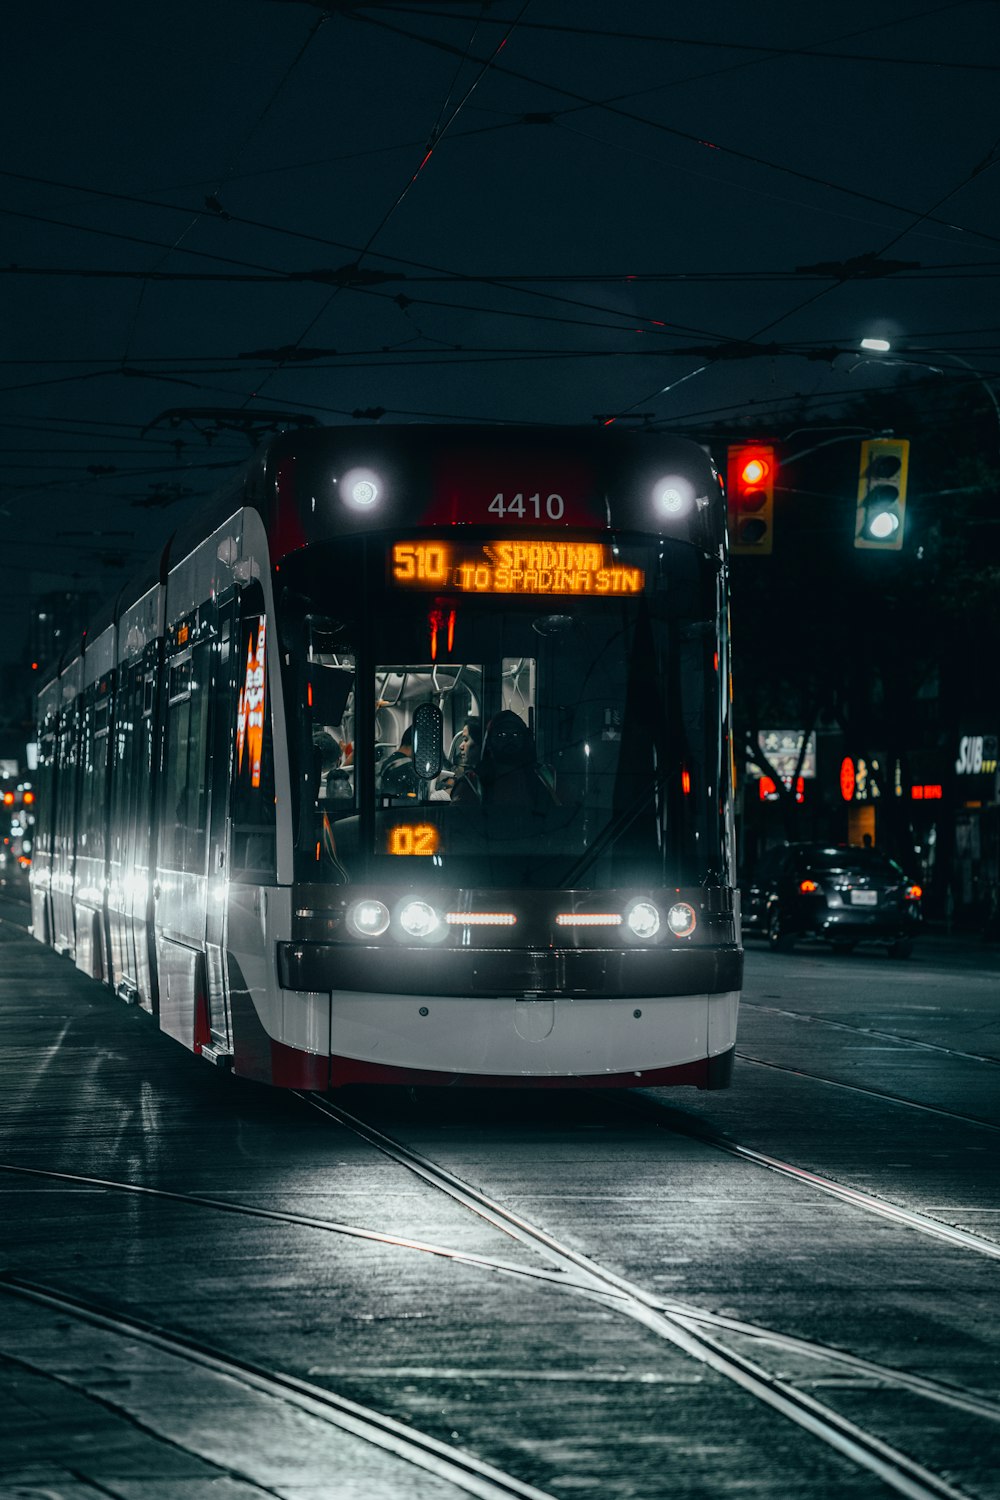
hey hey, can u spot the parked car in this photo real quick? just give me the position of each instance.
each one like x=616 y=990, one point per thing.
x=838 y=893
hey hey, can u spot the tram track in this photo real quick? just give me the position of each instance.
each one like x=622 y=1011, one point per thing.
x=665 y=1117
x=688 y=1330
x=869 y=1031
x=974 y=1403
x=882 y=1095
x=694 y=1331
x=466 y=1473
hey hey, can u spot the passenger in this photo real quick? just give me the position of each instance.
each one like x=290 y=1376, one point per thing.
x=508 y=773
x=466 y=759
x=333 y=782
x=397 y=776
x=470 y=743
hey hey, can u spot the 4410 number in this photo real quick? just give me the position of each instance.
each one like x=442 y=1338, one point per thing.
x=532 y=506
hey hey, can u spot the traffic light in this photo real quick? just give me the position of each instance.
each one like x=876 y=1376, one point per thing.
x=882 y=494
x=750 y=475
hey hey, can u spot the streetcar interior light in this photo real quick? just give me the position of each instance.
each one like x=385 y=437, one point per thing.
x=878 y=346
x=643 y=919
x=418 y=920
x=807 y=887
x=361 y=488
x=681 y=919
x=368 y=918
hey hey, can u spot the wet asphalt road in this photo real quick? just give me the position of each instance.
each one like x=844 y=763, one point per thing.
x=561 y=1391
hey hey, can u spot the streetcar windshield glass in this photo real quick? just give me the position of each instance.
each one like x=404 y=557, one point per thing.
x=579 y=738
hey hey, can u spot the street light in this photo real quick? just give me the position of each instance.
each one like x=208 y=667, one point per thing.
x=883 y=346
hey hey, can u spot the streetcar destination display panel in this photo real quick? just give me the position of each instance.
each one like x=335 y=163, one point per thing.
x=513 y=567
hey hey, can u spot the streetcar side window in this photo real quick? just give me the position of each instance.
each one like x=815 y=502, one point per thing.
x=45 y=783
x=93 y=775
x=330 y=684
x=184 y=841
x=66 y=790
x=253 y=854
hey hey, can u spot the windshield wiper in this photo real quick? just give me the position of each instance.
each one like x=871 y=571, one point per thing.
x=613 y=831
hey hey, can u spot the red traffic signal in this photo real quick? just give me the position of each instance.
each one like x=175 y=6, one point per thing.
x=750 y=476
x=754 y=471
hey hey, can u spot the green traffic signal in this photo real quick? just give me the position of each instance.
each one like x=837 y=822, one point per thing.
x=881 y=504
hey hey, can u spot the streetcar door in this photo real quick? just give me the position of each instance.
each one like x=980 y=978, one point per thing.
x=223 y=721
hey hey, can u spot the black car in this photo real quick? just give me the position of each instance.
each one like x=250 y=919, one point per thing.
x=838 y=893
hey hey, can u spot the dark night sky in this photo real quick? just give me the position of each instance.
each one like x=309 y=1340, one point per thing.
x=706 y=151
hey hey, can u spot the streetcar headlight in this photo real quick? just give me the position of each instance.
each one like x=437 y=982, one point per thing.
x=682 y=919
x=418 y=920
x=672 y=497
x=361 y=489
x=368 y=918
x=643 y=919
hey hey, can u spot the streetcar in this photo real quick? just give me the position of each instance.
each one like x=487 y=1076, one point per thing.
x=410 y=762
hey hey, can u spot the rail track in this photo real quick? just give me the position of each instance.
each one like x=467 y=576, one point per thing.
x=696 y=1331
x=460 y=1471
x=868 y=1031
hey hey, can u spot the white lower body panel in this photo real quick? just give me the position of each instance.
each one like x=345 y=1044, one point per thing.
x=529 y=1038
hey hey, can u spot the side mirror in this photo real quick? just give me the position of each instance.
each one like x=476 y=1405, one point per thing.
x=427 y=733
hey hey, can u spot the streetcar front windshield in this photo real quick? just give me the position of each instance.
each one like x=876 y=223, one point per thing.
x=577 y=739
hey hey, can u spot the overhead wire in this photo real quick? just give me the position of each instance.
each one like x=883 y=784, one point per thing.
x=404 y=358
x=255 y=268
x=728 y=45
x=658 y=125
x=212 y=203
x=439 y=133
x=518 y=120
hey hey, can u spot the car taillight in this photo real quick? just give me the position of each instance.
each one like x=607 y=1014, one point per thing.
x=913 y=893
x=807 y=887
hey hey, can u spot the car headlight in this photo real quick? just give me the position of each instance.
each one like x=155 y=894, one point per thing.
x=643 y=919
x=368 y=918
x=418 y=920
x=682 y=919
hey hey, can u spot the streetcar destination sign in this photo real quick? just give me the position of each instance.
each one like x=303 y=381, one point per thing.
x=513 y=567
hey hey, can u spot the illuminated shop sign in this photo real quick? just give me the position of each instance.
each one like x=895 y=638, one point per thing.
x=977 y=755
x=250 y=712
x=513 y=567
x=769 y=790
x=782 y=747
x=859 y=779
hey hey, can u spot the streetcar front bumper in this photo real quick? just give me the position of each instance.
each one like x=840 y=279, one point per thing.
x=568 y=973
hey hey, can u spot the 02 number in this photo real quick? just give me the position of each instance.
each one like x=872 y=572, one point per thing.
x=413 y=838
x=532 y=506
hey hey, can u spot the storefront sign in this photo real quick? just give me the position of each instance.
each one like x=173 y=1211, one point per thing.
x=977 y=755
x=782 y=747
x=859 y=779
